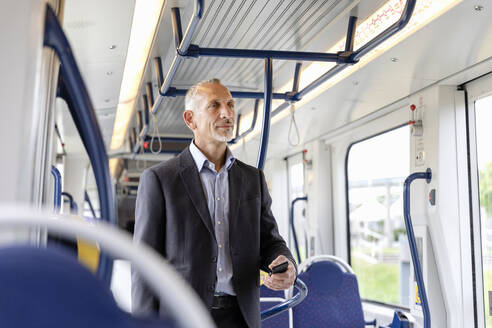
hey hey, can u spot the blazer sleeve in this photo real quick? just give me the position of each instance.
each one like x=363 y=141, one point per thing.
x=271 y=243
x=149 y=229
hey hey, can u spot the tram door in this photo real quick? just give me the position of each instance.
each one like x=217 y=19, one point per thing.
x=480 y=135
x=296 y=168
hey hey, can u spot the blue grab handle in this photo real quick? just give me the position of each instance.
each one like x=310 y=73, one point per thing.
x=57 y=188
x=292 y=227
x=290 y=303
x=412 y=243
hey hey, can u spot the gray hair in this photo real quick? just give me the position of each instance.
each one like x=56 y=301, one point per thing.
x=190 y=95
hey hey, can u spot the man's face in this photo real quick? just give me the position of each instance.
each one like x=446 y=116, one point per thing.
x=214 y=113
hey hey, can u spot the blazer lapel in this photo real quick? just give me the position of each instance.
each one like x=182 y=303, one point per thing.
x=235 y=184
x=193 y=185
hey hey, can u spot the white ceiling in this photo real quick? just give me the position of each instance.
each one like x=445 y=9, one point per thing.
x=455 y=41
x=458 y=39
x=94 y=27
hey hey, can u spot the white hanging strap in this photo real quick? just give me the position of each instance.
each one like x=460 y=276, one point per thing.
x=293 y=122
x=154 y=133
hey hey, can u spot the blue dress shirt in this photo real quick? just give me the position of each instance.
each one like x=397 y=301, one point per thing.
x=216 y=188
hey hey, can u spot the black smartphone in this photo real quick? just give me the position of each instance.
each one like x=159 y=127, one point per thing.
x=282 y=267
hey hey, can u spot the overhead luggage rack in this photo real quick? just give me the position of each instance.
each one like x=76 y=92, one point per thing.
x=185 y=48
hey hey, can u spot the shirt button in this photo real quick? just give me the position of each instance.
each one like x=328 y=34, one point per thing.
x=220 y=246
x=218 y=198
x=220 y=269
x=219 y=222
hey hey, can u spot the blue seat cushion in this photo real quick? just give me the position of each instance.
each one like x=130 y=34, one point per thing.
x=49 y=288
x=333 y=299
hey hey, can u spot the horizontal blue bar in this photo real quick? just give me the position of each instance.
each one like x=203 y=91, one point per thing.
x=341 y=58
x=169 y=139
x=173 y=92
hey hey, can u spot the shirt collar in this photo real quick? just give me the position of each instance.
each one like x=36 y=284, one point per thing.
x=201 y=160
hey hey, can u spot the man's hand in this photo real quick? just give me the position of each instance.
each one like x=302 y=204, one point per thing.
x=281 y=281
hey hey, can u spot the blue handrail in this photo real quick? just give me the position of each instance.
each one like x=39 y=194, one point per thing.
x=251 y=128
x=73 y=205
x=72 y=88
x=292 y=227
x=267 y=110
x=183 y=48
x=88 y=200
x=343 y=59
x=57 y=188
x=290 y=303
x=412 y=243
x=356 y=55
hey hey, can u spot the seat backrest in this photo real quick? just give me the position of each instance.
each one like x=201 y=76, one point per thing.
x=49 y=288
x=270 y=298
x=333 y=299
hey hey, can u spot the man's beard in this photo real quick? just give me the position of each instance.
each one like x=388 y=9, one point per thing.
x=223 y=138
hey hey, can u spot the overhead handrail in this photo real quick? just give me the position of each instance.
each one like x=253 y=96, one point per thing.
x=88 y=200
x=57 y=188
x=184 y=43
x=171 y=289
x=292 y=227
x=342 y=58
x=356 y=55
x=72 y=88
x=147 y=144
x=287 y=304
x=144 y=130
x=417 y=268
x=74 y=209
x=251 y=128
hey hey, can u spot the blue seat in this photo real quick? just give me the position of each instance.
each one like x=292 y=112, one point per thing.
x=269 y=298
x=49 y=288
x=333 y=299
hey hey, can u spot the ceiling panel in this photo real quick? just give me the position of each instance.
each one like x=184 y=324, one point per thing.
x=247 y=24
x=98 y=32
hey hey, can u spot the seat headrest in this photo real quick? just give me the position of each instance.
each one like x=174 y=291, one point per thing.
x=326 y=274
x=43 y=287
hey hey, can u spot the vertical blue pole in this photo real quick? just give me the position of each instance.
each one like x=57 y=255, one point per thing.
x=267 y=106
x=294 y=234
x=88 y=200
x=57 y=188
x=412 y=243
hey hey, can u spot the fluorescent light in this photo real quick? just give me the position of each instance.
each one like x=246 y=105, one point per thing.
x=113 y=165
x=144 y=24
x=425 y=11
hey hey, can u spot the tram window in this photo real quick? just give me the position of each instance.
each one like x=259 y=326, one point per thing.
x=483 y=114
x=378 y=251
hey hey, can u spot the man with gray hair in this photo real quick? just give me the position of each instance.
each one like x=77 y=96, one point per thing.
x=209 y=215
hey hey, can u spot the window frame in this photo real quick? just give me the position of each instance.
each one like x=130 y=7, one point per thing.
x=347 y=209
x=475 y=89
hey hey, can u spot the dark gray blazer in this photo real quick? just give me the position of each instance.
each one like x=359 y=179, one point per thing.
x=172 y=216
